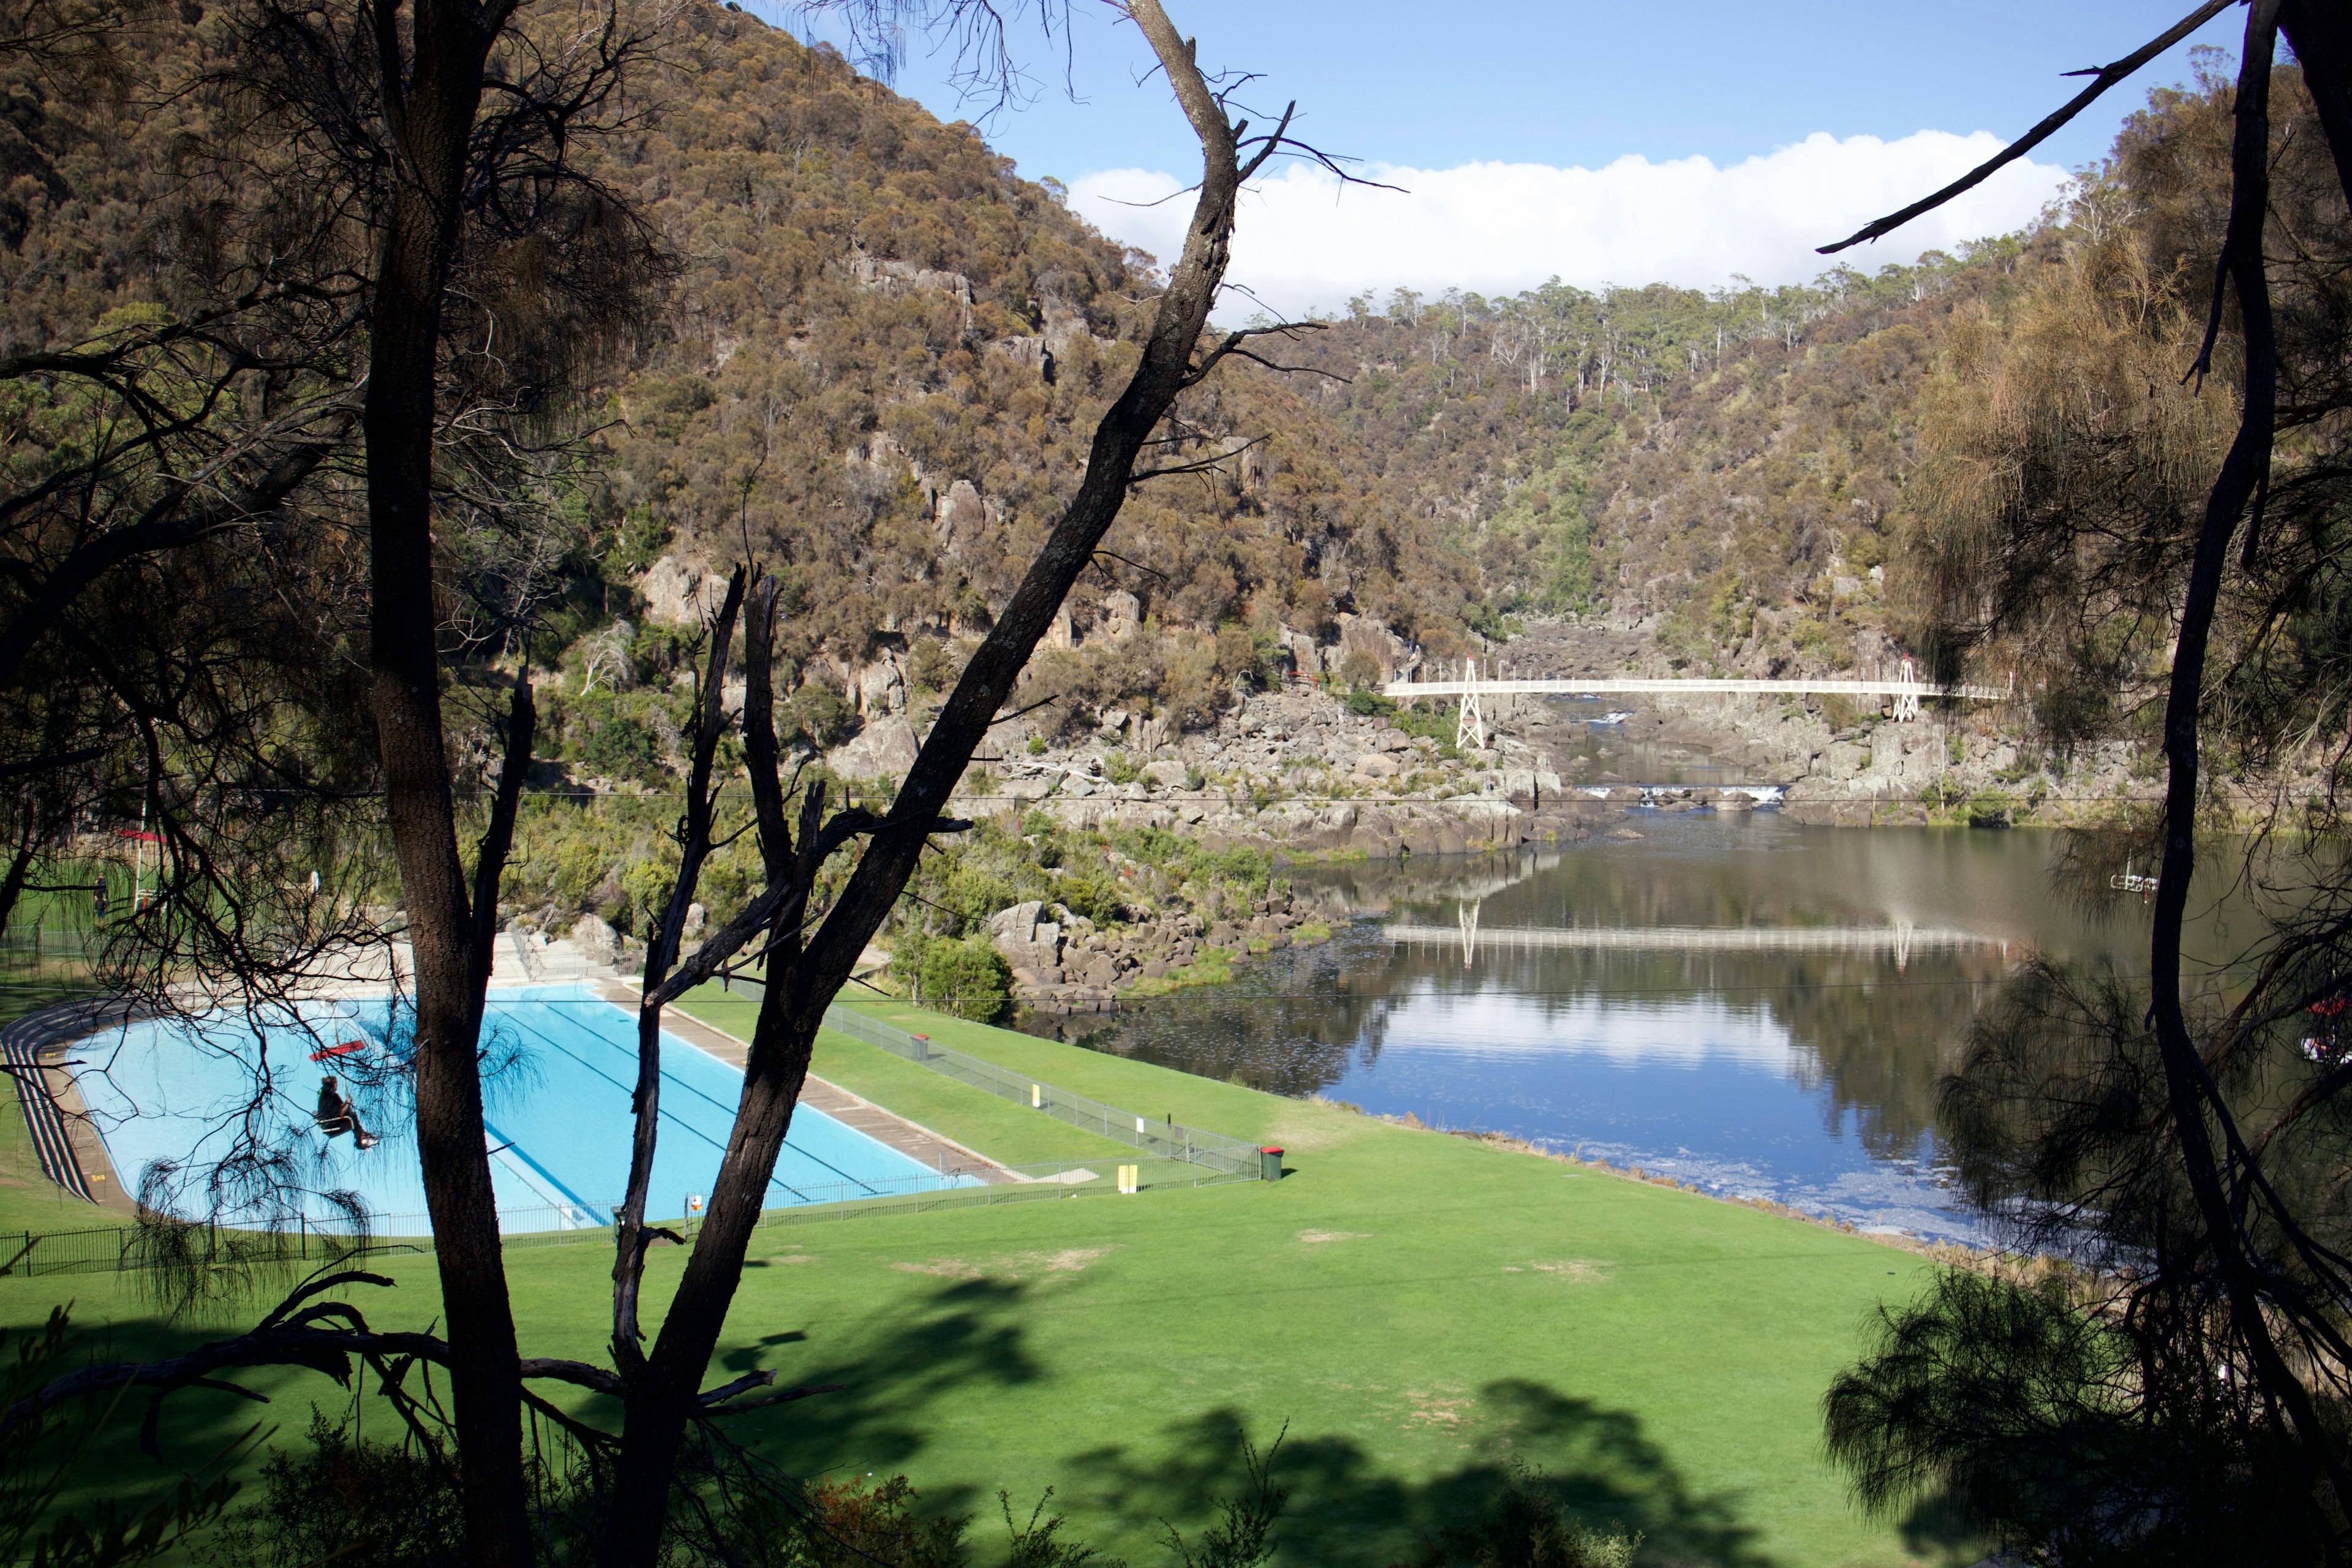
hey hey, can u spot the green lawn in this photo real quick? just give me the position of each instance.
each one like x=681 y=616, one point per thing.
x=1005 y=1132
x=1421 y=1311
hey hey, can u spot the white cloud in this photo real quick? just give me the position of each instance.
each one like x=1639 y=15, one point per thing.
x=1306 y=241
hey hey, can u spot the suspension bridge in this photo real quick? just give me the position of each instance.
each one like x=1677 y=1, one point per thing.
x=1471 y=687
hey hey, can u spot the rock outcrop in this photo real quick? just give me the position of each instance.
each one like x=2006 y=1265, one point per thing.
x=886 y=747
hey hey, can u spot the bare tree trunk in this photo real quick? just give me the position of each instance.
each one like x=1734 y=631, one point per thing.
x=801 y=982
x=630 y=1236
x=431 y=109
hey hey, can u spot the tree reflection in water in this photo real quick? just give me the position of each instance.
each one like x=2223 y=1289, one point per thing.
x=1484 y=1030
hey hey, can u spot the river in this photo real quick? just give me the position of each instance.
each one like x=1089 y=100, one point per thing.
x=1752 y=1006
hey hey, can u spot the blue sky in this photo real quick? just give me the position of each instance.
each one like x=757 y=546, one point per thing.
x=1576 y=138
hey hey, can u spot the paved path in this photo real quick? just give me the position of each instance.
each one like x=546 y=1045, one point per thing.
x=908 y=1137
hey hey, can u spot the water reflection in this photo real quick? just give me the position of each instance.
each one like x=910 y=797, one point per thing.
x=1741 y=1001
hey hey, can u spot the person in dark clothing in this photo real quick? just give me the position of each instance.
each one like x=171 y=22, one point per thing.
x=337 y=1115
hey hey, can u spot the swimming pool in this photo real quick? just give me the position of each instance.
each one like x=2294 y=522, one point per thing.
x=560 y=1063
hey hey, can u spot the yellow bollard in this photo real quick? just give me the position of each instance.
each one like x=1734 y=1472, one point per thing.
x=1036 y=1097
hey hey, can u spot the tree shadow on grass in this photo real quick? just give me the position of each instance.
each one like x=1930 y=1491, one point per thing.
x=899 y=1370
x=1344 y=1508
x=959 y=1337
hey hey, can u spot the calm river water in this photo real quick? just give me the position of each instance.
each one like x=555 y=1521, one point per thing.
x=1755 y=1006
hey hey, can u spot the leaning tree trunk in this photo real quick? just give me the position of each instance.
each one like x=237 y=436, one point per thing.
x=432 y=108
x=662 y=1399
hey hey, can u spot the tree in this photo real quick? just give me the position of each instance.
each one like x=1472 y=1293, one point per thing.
x=2114 y=1122
x=450 y=187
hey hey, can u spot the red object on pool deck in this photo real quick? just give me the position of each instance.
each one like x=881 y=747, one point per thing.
x=331 y=1052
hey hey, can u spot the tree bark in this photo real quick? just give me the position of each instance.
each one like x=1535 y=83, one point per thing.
x=431 y=103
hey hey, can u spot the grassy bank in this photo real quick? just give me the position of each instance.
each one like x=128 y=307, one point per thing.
x=1422 y=1310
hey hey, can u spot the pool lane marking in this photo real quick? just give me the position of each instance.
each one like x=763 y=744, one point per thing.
x=630 y=1089
x=520 y=1161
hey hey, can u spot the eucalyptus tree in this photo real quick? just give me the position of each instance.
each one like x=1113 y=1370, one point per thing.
x=2145 y=494
x=456 y=116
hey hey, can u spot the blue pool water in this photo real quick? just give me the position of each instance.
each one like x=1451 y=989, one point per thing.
x=560 y=1064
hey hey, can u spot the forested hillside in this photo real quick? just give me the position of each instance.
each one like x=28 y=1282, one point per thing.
x=877 y=352
x=879 y=365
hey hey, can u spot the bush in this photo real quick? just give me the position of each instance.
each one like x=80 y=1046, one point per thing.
x=1528 y=1528
x=1369 y=704
x=820 y=715
x=929 y=666
x=1090 y=893
x=357 y=1504
x=968 y=978
x=1359 y=671
x=622 y=746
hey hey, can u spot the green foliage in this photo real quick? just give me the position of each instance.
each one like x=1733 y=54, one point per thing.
x=1366 y=704
x=968 y=978
x=930 y=667
x=818 y=714
x=1121 y=769
x=1528 y=1526
x=1242 y=1536
x=43 y=1452
x=340 y=1500
x=638 y=542
x=1039 y=1544
x=1359 y=671
x=1037 y=746
x=622 y=746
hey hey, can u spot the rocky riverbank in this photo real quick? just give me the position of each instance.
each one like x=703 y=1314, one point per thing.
x=1063 y=964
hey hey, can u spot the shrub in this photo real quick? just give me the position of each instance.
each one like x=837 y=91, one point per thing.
x=968 y=978
x=1093 y=895
x=1527 y=1527
x=357 y=1504
x=1359 y=671
x=929 y=667
x=622 y=746
x=820 y=715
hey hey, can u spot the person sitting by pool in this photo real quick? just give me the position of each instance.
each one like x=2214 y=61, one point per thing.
x=337 y=1115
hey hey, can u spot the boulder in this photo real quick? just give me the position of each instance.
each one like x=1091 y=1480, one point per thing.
x=1376 y=765
x=1843 y=760
x=597 y=942
x=1167 y=772
x=962 y=516
x=1122 y=616
x=879 y=688
x=1364 y=635
x=1027 y=940
x=678 y=595
x=885 y=748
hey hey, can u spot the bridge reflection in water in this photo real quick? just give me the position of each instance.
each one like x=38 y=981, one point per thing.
x=1901 y=941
